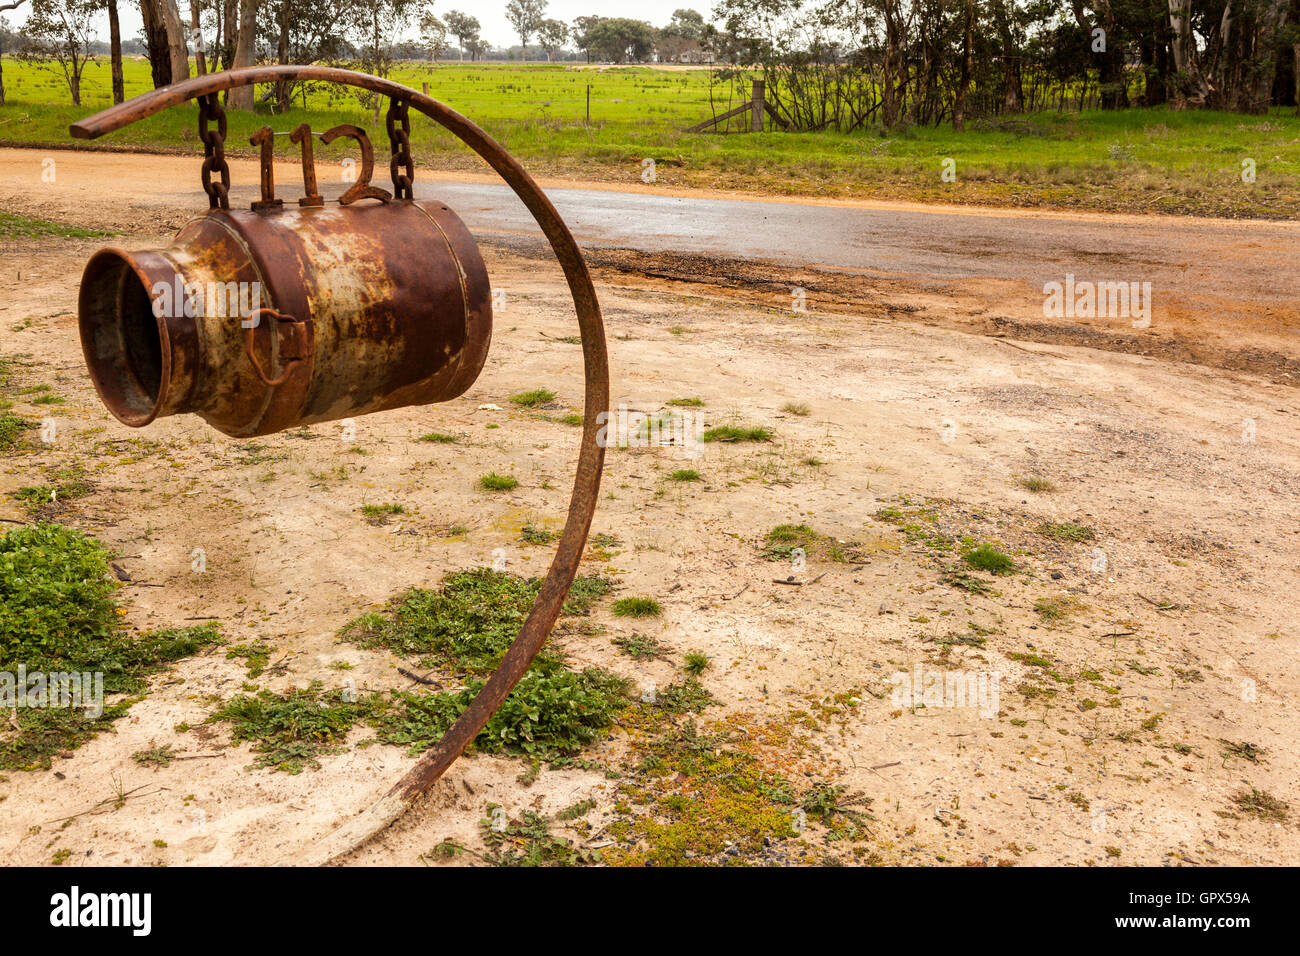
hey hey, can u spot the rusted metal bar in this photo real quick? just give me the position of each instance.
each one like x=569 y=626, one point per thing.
x=361 y=189
x=295 y=346
x=302 y=136
x=591 y=454
x=264 y=138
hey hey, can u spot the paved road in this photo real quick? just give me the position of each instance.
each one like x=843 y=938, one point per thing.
x=1248 y=260
x=1197 y=260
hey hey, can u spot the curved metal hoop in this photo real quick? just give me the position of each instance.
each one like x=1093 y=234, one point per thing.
x=591 y=456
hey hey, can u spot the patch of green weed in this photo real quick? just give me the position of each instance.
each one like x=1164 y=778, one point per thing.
x=549 y=713
x=494 y=482
x=737 y=433
x=637 y=607
x=533 y=397
x=288 y=732
x=990 y=559
x=1066 y=531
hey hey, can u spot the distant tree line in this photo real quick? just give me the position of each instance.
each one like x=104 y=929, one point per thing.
x=367 y=34
x=828 y=64
x=846 y=64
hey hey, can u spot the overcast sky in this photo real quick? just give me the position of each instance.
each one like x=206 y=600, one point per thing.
x=491 y=14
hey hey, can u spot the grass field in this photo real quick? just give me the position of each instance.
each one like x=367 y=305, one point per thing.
x=1141 y=160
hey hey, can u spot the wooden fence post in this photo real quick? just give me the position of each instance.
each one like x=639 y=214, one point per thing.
x=756 y=107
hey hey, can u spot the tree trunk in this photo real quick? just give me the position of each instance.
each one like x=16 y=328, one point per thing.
x=216 y=53
x=165 y=40
x=177 y=52
x=282 y=90
x=1295 y=52
x=963 y=84
x=115 y=52
x=229 y=28
x=1189 y=87
x=155 y=41
x=241 y=97
x=1259 y=88
x=1155 y=61
x=196 y=33
x=1111 y=89
x=922 y=83
x=1013 y=96
x=1226 y=64
x=889 y=101
x=1013 y=93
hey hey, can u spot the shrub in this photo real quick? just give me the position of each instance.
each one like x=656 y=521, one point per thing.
x=990 y=559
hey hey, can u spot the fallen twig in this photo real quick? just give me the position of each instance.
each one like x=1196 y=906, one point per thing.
x=797 y=584
x=417 y=678
x=1030 y=351
x=116 y=800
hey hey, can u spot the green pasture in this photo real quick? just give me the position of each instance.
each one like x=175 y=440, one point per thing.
x=1134 y=160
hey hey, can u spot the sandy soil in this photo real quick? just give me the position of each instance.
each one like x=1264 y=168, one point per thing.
x=1185 y=605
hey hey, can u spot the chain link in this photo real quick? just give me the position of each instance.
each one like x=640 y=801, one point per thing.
x=401 y=166
x=214 y=151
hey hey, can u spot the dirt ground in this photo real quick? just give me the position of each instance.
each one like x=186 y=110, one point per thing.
x=1177 y=634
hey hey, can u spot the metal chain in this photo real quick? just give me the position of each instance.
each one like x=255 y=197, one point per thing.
x=214 y=152
x=399 y=138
